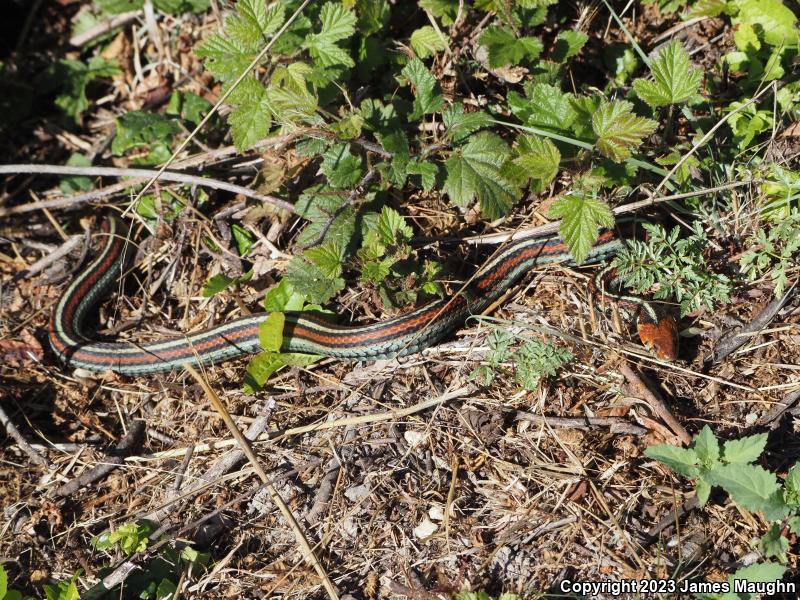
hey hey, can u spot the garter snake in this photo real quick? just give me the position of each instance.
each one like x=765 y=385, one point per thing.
x=305 y=332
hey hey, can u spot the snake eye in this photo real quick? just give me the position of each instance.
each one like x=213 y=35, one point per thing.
x=661 y=337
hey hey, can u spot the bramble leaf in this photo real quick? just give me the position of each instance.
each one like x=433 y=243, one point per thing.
x=505 y=48
x=74 y=76
x=426 y=42
x=427 y=94
x=342 y=168
x=461 y=124
x=568 y=44
x=676 y=80
x=538 y=158
x=475 y=171
x=618 y=130
x=338 y=24
x=581 y=218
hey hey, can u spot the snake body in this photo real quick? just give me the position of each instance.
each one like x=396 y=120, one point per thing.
x=305 y=332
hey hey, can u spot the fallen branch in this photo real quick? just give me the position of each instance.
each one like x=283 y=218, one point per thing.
x=142 y=176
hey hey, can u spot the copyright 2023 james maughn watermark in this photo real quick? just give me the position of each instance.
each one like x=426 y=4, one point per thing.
x=610 y=589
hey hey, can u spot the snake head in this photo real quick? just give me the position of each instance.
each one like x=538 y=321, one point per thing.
x=659 y=336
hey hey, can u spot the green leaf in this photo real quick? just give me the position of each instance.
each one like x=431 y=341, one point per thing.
x=221 y=282
x=775 y=20
x=772 y=543
x=338 y=24
x=745 y=450
x=392 y=228
x=251 y=25
x=270 y=332
x=75 y=183
x=758 y=573
x=142 y=129
x=681 y=460
x=706 y=447
x=548 y=107
x=568 y=44
x=283 y=297
x=675 y=80
x=426 y=170
x=791 y=486
x=444 y=10
x=3 y=582
x=250 y=118
x=225 y=57
x=703 y=491
x=344 y=170
x=74 y=76
x=63 y=590
x=311 y=281
x=750 y=486
x=243 y=238
x=505 y=48
x=475 y=171
x=460 y=125
x=538 y=158
x=266 y=363
x=618 y=130
x=581 y=218
x=426 y=42
x=328 y=257
x=427 y=94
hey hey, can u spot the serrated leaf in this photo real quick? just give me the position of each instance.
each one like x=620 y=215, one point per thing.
x=250 y=118
x=252 y=24
x=475 y=171
x=618 y=130
x=505 y=48
x=427 y=94
x=328 y=257
x=706 y=447
x=461 y=124
x=392 y=227
x=750 y=486
x=426 y=170
x=270 y=332
x=426 y=42
x=311 y=281
x=745 y=450
x=703 y=491
x=139 y=128
x=568 y=44
x=538 y=158
x=681 y=460
x=675 y=80
x=581 y=219
x=548 y=107
x=343 y=170
x=225 y=57
x=338 y=24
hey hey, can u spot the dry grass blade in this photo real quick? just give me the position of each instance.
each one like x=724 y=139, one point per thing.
x=244 y=445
